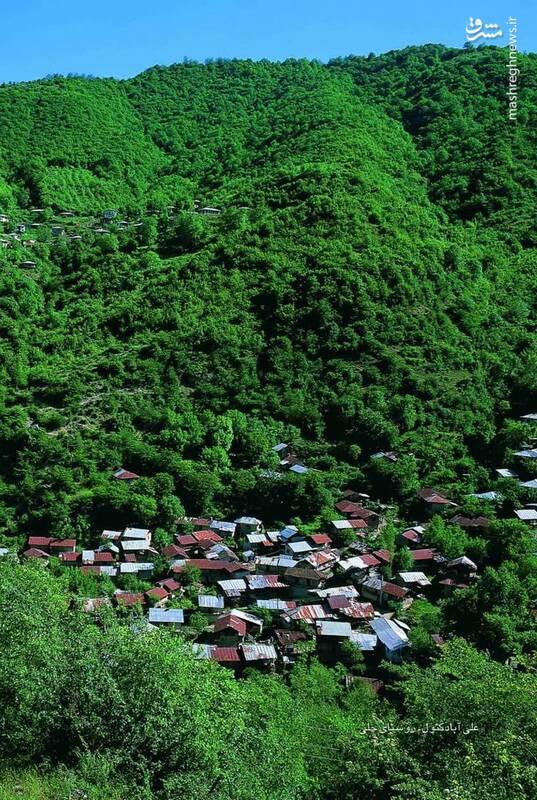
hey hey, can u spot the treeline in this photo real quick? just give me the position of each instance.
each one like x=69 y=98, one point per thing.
x=138 y=716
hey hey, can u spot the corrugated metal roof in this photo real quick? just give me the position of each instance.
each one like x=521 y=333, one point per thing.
x=358 y=610
x=341 y=630
x=391 y=635
x=258 y=652
x=172 y=615
x=365 y=641
x=136 y=533
x=264 y=582
x=307 y=612
x=233 y=588
x=210 y=601
x=276 y=604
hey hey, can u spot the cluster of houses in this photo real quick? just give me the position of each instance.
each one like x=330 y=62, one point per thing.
x=66 y=225
x=261 y=594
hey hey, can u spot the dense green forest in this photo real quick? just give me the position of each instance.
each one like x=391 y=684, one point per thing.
x=368 y=284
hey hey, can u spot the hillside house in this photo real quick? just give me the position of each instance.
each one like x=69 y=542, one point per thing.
x=392 y=637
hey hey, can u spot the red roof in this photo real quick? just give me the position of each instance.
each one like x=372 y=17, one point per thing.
x=230 y=621
x=320 y=538
x=339 y=601
x=157 y=593
x=34 y=552
x=125 y=475
x=225 y=654
x=369 y=560
x=359 y=610
x=395 y=591
x=422 y=555
x=130 y=558
x=199 y=536
x=186 y=540
x=199 y=522
x=103 y=557
x=173 y=550
x=129 y=599
x=383 y=555
x=358 y=523
x=215 y=564
x=170 y=584
x=70 y=556
x=430 y=496
x=411 y=535
x=63 y=543
x=348 y=507
x=468 y=522
x=39 y=541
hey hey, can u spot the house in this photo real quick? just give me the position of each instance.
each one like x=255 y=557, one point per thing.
x=463 y=564
x=141 y=534
x=374 y=588
x=41 y=542
x=173 y=552
x=245 y=525
x=157 y=595
x=345 y=591
x=382 y=455
x=330 y=635
x=170 y=584
x=109 y=214
x=57 y=230
x=125 y=475
x=111 y=536
x=527 y=515
x=70 y=558
x=260 y=654
x=307 y=613
x=322 y=561
x=214 y=570
x=226 y=529
x=469 y=524
x=391 y=636
x=142 y=570
x=301 y=579
x=413 y=580
x=319 y=540
x=209 y=211
x=275 y=604
x=288 y=533
x=411 y=537
x=35 y=553
x=448 y=585
x=232 y=627
x=433 y=500
x=532 y=418
x=264 y=583
x=359 y=526
x=27 y=265
x=351 y=608
x=226 y=656
x=277 y=565
x=139 y=548
x=62 y=546
x=504 y=472
x=384 y=556
x=298 y=469
x=171 y=618
x=529 y=484
x=365 y=642
x=210 y=602
x=297 y=548
x=289 y=644
x=129 y=599
x=424 y=556
x=282 y=450
x=233 y=588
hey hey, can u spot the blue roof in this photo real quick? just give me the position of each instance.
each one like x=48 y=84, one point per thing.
x=391 y=635
x=298 y=468
x=210 y=601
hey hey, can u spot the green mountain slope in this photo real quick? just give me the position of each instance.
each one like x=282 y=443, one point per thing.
x=342 y=298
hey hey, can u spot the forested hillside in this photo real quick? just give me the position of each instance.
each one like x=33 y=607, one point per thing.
x=338 y=256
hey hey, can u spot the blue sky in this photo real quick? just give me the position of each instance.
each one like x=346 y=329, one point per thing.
x=124 y=37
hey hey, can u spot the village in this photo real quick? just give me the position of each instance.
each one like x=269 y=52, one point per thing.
x=245 y=595
x=42 y=225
